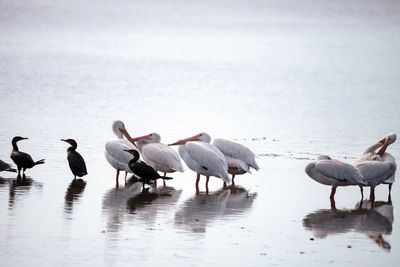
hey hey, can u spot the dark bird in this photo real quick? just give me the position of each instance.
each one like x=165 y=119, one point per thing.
x=21 y=159
x=6 y=167
x=146 y=173
x=75 y=160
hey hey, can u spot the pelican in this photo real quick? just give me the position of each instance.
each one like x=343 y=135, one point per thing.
x=239 y=157
x=386 y=157
x=114 y=150
x=146 y=173
x=6 y=167
x=328 y=171
x=376 y=171
x=21 y=159
x=75 y=160
x=159 y=156
x=203 y=158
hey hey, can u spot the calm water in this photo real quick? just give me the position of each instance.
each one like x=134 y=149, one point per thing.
x=289 y=79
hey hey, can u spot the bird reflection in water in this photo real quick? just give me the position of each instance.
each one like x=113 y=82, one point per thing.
x=373 y=219
x=19 y=187
x=151 y=201
x=200 y=210
x=74 y=191
x=135 y=203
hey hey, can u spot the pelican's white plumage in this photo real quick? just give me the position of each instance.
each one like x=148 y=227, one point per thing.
x=202 y=157
x=114 y=149
x=333 y=172
x=158 y=155
x=376 y=171
x=237 y=151
x=378 y=165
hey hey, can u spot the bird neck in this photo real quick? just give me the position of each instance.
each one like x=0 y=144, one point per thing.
x=14 y=145
x=71 y=148
x=135 y=157
x=372 y=148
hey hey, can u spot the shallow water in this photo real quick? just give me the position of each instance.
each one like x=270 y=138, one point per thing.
x=289 y=79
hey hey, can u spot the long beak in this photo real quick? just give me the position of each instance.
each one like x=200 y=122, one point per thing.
x=383 y=148
x=141 y=137
x=184 y=141
x=126 y=134
x=24 y=138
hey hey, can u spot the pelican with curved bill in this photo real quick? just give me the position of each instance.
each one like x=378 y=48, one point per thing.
x=158 y=155
x=375 y=172
x=239 y=157
x=328 y=171
x=114 y=150
x=203 y=158
x=370 y=152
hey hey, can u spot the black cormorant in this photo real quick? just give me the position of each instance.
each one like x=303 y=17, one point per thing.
x=6 y=167
x=21 y=159
x=146 y=173
x=75 y=160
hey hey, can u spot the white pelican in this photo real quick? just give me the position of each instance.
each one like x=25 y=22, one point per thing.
x=239 y=157
x=386 y=157
x=333 y=172
x=203 y=158
x=159 y=156
x=375 y=171
x=114 y=150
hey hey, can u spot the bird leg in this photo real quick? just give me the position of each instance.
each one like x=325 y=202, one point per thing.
x=362 y=192
x=208 y=179
x=233 y=177
x=155 y=183
x=332 y=197
x=333 y=204
x=197 y=184
x=390 y=190
x=165 y=174
x=372 y=194
x=116 y=179
x=126 y=173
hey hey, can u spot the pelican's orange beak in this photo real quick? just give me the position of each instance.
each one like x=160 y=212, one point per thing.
x=126 y=134
x=184 y=141
x=382 y=141
x=142 y=137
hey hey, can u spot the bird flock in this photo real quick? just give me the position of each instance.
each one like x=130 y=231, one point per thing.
x=375 y=166
x=145 y=156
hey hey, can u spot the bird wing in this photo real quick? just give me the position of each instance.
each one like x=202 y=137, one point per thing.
x=339 y=170
x=208 y=156
x=115 y=154
x=236 y=150
x=376 y=171
x=144 y=171
x=77 y=163
x=163 y=155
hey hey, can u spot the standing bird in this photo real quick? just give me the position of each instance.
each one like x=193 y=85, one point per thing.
x=114 y=150
x=239 y=157
x=75 y=160
x=159 y=156
x=374 y=169
x=385 y=156
x=6 y=167
x=146 y=173
x=21 y=159
x=328 y=171
x=203 y=158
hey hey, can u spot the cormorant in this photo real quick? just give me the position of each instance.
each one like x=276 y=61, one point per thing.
x=22 y=159
x=6 y=167
x=75 y=160
x=146 y=173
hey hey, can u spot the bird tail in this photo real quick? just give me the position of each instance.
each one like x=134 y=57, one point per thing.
x=39 y=162
x=166 y=178
x=11 y=170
